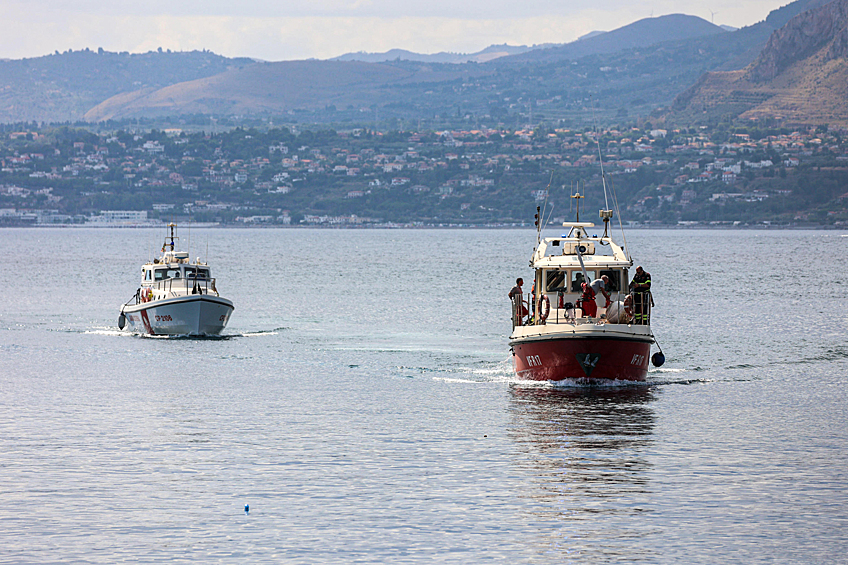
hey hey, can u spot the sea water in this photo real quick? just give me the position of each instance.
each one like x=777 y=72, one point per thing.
x=362 y=406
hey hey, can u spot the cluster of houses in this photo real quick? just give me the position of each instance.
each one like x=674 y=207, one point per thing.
x=473 y=159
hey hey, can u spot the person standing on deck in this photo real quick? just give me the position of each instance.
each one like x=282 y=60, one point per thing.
x=601 y=285
x=590 y=291
x=640 y=287
x=516 y=291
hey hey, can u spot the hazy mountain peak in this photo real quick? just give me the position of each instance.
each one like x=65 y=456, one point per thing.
x=489 y=53
x=590 y=34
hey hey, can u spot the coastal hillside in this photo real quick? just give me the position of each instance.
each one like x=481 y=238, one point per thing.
x=800 y=77
x=634 y=72
x=642 y=33
x=273 y=88
x=63 y=86
x=632 y=82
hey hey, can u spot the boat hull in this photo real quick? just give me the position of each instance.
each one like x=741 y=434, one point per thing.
x=199 y=315
x=582 y=358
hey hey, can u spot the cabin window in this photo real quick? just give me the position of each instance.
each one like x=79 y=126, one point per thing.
x=614 y=279
x=577 y=280
x=148 y=274
x=159 y=274
x=556 y=281
x=201 y=273
x=172 y=274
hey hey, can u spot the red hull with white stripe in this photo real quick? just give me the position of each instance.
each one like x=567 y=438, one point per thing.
x=593 y=359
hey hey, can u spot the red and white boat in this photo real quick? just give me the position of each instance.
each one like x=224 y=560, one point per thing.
x=553 y=339
x=176 y=297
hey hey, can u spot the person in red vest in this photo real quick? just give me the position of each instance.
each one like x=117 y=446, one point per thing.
x=590 y=291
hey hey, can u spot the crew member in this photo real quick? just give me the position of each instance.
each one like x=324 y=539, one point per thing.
x=602 y=285
x=640 y=287
x=516 y=291
x=587 y=301
x=590 y=291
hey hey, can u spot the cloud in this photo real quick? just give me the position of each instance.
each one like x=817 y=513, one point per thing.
x=318 y=28
x=287 y=38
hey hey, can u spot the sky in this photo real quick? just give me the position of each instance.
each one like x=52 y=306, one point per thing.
x=321 y=29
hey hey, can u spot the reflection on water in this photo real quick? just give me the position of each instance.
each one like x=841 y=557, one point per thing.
x=585 y=451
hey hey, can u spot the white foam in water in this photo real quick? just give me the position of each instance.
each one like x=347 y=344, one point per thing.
x=501 y=371
x=107 y=331
x=454 y=380
x=576 y=383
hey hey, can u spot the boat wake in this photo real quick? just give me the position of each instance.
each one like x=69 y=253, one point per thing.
x=107 y=331
x=275 y=331
x=114 y=332
x=503 y=372
x=485 y=372
x=578 y=383
x=830 y=354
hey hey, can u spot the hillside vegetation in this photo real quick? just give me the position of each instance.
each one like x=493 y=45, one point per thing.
x=63 y=86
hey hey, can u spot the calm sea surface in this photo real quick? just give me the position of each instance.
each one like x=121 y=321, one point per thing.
x=363 y=405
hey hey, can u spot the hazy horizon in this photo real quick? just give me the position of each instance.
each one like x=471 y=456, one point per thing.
x=328 y=28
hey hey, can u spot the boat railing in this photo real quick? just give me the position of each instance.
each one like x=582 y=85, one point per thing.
x=183 y=286
x=191 y=285
x=631 y=309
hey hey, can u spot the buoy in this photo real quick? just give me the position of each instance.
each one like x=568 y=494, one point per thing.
x=122 y=321
x=246 y=508
x=658 y=359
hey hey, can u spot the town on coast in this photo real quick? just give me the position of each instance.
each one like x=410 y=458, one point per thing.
x=282 y=176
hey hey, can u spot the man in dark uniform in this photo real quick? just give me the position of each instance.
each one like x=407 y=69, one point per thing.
x=640 y=287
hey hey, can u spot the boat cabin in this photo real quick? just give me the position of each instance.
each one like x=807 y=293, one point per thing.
x=173 y=275
x=562 y=264
x=155 y=273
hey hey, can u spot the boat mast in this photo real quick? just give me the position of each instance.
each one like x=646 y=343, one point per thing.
x=606 y=213
x=577 y=196
x=173 y=226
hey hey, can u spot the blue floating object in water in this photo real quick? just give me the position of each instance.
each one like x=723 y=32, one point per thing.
x=246 y=508
x=658 y=359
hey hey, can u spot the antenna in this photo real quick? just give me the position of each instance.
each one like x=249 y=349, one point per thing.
x=577 y=196
x=620 y=224
x=540 y=212
x=600 y=157
x=538 y=225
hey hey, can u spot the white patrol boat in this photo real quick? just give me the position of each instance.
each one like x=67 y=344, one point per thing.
x=561 y=332
x=176 y=297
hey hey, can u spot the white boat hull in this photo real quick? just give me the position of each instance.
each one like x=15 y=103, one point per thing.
x=199 y=315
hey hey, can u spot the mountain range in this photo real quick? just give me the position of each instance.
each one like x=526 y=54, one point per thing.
x=490 y=53
x=801 y=76
x=788 y=65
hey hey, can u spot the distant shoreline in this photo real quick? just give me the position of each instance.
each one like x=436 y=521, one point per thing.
x=426 y=227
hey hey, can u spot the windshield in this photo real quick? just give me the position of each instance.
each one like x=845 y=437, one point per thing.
x=199 y=272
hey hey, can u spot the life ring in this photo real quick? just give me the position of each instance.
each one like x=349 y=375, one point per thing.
x=544 y=312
